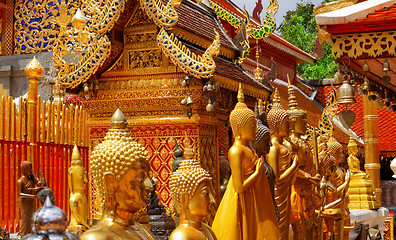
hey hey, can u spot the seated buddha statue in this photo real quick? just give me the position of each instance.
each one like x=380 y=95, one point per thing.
x=361 y=189
x=281 y=160
x=192 y=194
x=246 y=210
x=78 y=201
x=120 y=170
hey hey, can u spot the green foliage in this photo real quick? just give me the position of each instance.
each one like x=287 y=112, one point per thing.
x=299 y=28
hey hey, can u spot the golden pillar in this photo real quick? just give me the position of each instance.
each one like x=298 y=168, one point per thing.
x=371 y=144
x=33 y=71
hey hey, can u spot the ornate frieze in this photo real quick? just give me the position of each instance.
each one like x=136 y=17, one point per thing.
x=355 y=45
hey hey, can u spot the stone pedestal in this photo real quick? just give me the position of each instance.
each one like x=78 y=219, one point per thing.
x=371 y=217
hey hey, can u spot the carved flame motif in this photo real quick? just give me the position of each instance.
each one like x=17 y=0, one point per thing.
x=164 y=16
x=197 y=66
x=260 y=32
x=80 y=51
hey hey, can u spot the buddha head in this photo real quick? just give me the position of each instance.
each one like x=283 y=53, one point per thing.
x=77 y=173
x=120 y=170
x=262 y=144
x=297 y=117
x=26 y=168
x=243 y=120
x=191 y=190
x=335 y=149
x=278 y=118
x=352 y=146
x=46 y=192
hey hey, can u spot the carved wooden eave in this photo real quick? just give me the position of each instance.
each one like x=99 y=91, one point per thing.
x=201 y=41
x=249 y=90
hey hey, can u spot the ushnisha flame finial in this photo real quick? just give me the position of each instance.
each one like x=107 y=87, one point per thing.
x=118 y=121
x=240 y=97
x=276 y=97
x=351 y=140
x=34 y=69
x=292 y=98
x=294 y=112
x=76 y=157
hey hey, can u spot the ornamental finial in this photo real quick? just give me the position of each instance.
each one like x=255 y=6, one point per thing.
x=292 y=98
x=118 y=120
x=76 y=157
x=240 y=97
x=34 y=69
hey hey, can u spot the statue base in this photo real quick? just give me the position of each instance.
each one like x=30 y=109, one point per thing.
x=371 y=217
x=77 y=229
x=361 y=194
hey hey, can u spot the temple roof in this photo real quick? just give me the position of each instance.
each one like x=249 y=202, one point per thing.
x=353 y=12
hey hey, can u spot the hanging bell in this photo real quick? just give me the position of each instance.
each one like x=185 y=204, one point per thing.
x=385 y=66
x=184 y=101
x=189 y=100
x=210 y=107
x=366 y=67
x=365 y=88
x=346 y=93
x=209 y=87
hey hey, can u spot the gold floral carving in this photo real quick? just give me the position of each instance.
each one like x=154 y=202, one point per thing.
x=355 y=45
x=34 y=26
x=139 y=18
x=141 y=59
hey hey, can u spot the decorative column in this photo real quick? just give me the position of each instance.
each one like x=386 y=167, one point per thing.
x=371 y=144
x=33 y=71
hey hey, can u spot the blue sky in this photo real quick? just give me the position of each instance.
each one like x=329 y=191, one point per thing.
x=284 y=6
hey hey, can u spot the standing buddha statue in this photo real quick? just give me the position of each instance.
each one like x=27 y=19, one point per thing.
x=192 y=195
x=280 y=159
x=361 y=189
x=261 y=147
x=78 y=201
x=302 y=191
x=28 y=186
x=120 y=170
x=246 y=210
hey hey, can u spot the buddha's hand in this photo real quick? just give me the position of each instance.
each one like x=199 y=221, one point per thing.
x=260 y=165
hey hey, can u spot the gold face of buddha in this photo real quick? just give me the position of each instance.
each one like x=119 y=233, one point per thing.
x=249 y=131
x=198 y=206
x=284 y=128
x=353 y=150
x=133 y=189
x=300 y=126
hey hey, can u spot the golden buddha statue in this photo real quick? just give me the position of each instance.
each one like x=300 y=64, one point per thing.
x=120 y=170
x=361 y=189
x=280 y=159
x=191 y=192
x=78 y=201
x=246 y=210
x=302 y=191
